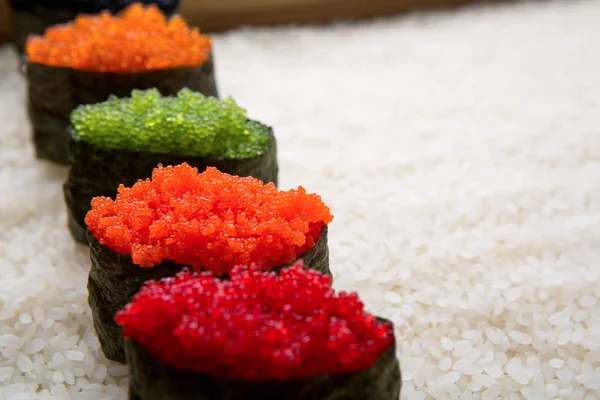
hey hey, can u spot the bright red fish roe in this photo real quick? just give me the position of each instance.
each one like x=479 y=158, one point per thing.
x=139 y=39
x=257 y=326
x=211 y=220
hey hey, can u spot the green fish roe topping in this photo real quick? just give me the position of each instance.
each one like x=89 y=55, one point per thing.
x=188 y=124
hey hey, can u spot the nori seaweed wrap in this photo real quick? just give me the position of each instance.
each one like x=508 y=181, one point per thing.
x=35 y=16
x=209 y=222
x=146 y=130
x=192 y=337
x=59 y=82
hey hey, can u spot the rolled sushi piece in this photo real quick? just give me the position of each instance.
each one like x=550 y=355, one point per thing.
x=94 y=57
x=210 y=221
x=35 y=16
x=256 y=336
x=120 y=140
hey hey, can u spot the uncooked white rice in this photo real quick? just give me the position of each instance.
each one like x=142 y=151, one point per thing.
x=460 y=153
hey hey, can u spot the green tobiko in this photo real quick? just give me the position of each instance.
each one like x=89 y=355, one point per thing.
x=187 y=124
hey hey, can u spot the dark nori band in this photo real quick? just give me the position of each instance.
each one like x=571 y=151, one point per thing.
x=98 y=171
x=114 y=279
x=152 y=380
x=54 y=92
x=34 y=17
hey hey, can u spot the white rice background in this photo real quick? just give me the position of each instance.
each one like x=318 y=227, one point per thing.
x=460 y=153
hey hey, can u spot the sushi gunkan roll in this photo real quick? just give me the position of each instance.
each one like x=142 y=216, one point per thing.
x=94 y=57
x=257 y=336
x=35 y=16
x=121 y=140
x=209 y=222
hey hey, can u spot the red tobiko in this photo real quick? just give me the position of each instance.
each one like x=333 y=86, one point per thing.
x=257 y=326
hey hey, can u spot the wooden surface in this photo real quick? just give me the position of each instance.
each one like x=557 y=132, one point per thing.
x=220 y=15
x=5 y=29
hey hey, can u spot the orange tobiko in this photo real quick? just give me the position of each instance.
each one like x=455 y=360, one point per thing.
x=211 y=220
x=139 y=39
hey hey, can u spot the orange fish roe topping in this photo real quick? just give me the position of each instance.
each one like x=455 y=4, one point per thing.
x=212 y=220
x=139 y=39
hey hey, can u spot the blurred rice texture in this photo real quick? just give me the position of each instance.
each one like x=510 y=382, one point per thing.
x=221 y=15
